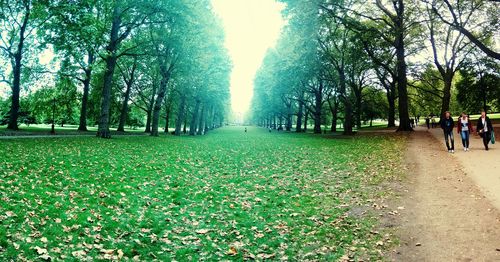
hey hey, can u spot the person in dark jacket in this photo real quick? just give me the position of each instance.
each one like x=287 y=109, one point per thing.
x=484 y=129
x=447 y=125
x=464 y=128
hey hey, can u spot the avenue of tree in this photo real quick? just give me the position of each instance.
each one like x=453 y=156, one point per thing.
x=156 y=64
x=161 y=64
x=343 y=63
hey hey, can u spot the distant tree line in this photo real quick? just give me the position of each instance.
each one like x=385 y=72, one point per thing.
x=141 y=63
x=350 y=62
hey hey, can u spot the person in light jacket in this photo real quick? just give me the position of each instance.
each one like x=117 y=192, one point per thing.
x=464 y=128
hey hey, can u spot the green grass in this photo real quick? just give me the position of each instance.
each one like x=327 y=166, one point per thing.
x=227 y=195
x=45 y=129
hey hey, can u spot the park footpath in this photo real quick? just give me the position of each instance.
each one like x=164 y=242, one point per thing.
x=448 y=207
x=481 y=165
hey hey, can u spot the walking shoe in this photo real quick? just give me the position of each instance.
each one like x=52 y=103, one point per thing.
x=465 y=149
x=452 y=151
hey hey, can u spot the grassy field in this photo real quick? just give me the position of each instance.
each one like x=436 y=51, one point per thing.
x=228 y=195
x=42 y=129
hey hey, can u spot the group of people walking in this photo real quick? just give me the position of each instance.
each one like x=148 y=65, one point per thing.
x=484 y=128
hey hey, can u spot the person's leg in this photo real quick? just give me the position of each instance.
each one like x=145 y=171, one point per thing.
x=446 y=140
x=467 y=139
x=485 y=140
x=452 y=138
x=463 y=135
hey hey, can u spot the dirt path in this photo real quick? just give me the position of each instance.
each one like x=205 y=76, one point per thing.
x=446 y=216
x=482 y=166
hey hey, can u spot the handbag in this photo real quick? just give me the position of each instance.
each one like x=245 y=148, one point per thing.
x=492 y=137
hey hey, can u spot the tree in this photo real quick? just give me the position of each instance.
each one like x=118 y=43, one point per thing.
x=458 y=20
x=77 y=36
x=19 y=20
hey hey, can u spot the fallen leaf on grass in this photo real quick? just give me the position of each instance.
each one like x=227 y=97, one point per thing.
x=79 y=253
x=45 y=257
x=202 y=231
x=266 y=256
x=41 y=251
x=232 y=251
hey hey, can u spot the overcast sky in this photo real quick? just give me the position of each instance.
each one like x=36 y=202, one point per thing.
x=251 y=26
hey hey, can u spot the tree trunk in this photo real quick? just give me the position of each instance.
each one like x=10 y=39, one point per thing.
x=86 y=89
x=358 y=109
x=167 y=116
x=180 y=116
x=162 y=91
x=447 y=79
x=391 y=99
x=124 y=112
x=300 y=114
x=318 y=95
x=201 y=121
x=194 y=118
x=402 y=81
x=306 y=119
x=16 y=71
x=334 y=111
x=103 y=128
x=347 y=103
x=150 y=110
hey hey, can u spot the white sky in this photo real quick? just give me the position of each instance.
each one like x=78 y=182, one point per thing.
x=251 y=27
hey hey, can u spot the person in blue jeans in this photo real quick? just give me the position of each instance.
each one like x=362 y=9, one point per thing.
x=464 y=129
x=447 y=124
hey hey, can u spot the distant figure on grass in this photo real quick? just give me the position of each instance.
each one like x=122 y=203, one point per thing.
x=485 y=129
x=245 y=129
x=269 y=129
x=447 y=125
x=464 y=128
x=428 y=122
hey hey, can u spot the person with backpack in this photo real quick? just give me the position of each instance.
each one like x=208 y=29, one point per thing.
x=484 y=129
x=447 y=124
x=464 y=128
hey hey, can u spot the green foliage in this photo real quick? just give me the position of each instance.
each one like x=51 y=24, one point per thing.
x=231 y=195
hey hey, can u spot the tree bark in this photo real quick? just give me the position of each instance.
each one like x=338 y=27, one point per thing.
x=402 y=81
x=300 y=114
x=347 y=103
x=167 y=116
x=201 y=121
x=447 y=79
x=318 y=95
x=306 y=119
x=16 y=71
x=124 y=112
x=180 y=115
x=103 y=128
x=391 y=99
x=194 y=118
x=162 y=91
x=334 y=111
x=86 y=89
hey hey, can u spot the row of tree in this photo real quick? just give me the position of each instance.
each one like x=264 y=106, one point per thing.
x=115 y=63
x=354 y=61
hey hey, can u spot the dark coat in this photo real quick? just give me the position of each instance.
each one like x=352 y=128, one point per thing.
x=447 y=124
x=480 y=125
